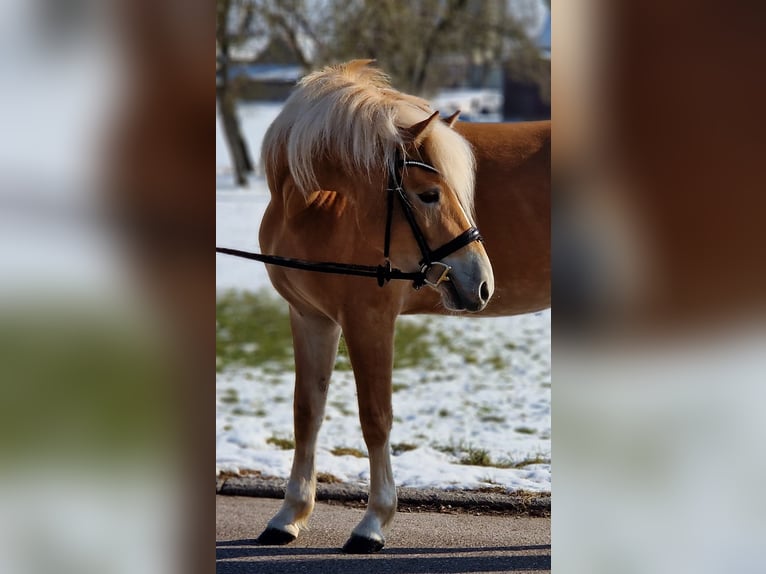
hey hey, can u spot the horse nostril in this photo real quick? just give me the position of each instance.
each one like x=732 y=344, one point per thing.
x=484 y=291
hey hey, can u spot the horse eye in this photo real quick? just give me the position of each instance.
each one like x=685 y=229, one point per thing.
x=430 y=196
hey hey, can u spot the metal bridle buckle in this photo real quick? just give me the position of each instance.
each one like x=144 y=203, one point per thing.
x=443 y=276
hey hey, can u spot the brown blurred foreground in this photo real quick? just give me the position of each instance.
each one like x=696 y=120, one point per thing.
x=107 y=286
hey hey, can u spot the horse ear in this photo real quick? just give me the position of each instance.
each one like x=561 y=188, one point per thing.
x=418 y=132
x=452 y=120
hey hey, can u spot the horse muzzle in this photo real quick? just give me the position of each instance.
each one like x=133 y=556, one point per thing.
x=466 y=283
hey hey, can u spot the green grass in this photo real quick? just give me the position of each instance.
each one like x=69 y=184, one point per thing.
x=411 y=346
x=473 y=456
x=327 y=478
x=492 y=419
x=342 y=407
x=477 y=457
x=498 y=362
x=343 y=450
x=466 y=453
x=253 y=330
x=229 y=397
x=411 y=349
x=400 y=447
x=283 y=443
x=537 y=459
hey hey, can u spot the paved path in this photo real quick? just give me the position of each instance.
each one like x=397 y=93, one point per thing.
x=418 y=542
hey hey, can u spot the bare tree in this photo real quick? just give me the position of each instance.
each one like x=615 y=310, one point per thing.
x=291 y=21
x=416 y=41
x=226 y=92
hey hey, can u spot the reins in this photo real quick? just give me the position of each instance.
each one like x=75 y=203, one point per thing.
x=383 y=273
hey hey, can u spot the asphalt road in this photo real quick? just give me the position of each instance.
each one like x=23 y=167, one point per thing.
x=418 y=542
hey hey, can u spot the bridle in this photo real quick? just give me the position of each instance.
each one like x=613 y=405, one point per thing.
x=432 y=272
x=430 y=258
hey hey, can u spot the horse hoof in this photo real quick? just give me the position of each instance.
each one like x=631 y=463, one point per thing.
x=275 y=537
x=362 y=545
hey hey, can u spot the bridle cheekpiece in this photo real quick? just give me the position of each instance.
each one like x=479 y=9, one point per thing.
x=433 y=271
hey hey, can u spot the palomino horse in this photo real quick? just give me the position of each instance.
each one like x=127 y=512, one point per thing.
x=344 y=147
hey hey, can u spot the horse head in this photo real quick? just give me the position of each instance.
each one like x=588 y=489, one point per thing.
x=435 y=177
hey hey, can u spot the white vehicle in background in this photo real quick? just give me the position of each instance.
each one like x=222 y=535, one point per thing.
x=476 y=105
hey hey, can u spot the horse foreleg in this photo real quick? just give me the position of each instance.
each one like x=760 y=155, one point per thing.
x=370 y=348
x=315 y=340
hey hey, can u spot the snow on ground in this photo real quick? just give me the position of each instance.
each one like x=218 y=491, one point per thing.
x=484 y=393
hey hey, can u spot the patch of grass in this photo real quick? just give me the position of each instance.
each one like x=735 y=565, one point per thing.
x=252 y=329
x=411 y=349
x=229 y=397
x=283 y=443
x=497 y=362
x=342 y=408
x=342 y=360
x=453 y=449
x=327 y=478
x=477 y=457
x=401 y=447
x=411 y=346
x=525 y=430
x=443 y=413
x=343 y=450
x=472 y=456
x=396 y=387
x=537 y=459
x=492 y=419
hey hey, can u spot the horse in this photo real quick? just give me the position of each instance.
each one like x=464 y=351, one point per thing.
x=361 y=173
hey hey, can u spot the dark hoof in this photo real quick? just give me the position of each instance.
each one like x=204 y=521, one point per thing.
x=361 y=545
x=275 y=537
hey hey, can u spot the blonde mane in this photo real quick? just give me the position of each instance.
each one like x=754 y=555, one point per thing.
x=349 y=114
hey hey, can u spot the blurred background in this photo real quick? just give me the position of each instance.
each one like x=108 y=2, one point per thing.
x=107 y=278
